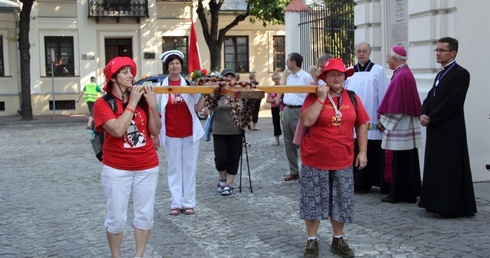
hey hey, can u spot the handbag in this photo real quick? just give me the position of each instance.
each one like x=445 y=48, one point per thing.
x=208 y=127
x=299 y=133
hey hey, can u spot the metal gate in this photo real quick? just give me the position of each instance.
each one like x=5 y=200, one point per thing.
x=328 y=27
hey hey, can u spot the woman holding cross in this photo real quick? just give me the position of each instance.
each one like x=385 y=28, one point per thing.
x=327 y=154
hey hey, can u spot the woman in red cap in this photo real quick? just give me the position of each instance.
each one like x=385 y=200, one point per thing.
x=327 y=154
x=130 y=161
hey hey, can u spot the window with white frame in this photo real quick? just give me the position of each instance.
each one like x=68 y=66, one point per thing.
x=236 y=53
x=59 y=56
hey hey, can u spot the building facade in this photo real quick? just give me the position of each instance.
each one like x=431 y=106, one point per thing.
x=82 y=45
x=73 y=40
x=417 y=24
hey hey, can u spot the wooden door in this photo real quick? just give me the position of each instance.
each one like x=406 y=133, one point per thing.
x=118 y=47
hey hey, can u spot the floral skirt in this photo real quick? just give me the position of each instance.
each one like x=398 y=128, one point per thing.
x=326 y=193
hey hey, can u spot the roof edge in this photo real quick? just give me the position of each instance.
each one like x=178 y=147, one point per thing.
x=297 y=6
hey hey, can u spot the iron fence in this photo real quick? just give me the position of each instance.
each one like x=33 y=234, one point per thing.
x=328 y=27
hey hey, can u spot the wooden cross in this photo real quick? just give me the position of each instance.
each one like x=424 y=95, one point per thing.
x=237 y=92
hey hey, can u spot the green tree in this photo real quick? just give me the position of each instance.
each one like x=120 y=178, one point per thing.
x=266 y=11
x=25 y=59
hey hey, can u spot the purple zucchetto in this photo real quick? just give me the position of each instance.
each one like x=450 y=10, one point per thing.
x=400 y=50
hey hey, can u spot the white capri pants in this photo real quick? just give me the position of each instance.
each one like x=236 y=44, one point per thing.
x=118 y=185
x=182 y=156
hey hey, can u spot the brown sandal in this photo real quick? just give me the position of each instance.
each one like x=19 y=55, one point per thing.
x=174 y=211
x=188 y=211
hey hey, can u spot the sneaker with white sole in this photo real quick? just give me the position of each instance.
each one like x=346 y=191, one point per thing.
x=227 y=190
x=221 y=185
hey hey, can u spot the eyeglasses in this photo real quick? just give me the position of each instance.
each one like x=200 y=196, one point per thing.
x=440 y=50
x=362 y=51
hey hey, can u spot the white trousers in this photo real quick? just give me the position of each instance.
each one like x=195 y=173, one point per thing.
x=182 y=156
x=118 y=185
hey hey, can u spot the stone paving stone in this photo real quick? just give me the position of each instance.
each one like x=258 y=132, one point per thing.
x=52 y=205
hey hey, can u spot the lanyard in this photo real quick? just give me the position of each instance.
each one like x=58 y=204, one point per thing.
x=338 y=115
x=440 y=75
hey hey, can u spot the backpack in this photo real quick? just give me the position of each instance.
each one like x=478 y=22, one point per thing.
x=352 y=96
x=97 y=138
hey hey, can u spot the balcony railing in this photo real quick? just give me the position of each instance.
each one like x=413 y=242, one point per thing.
x=117 y=9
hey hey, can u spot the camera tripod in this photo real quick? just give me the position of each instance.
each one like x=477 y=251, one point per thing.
x=244 y=143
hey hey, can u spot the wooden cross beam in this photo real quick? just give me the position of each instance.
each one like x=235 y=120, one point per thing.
x=237 y=92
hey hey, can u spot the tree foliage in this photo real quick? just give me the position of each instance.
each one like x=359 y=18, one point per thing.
x=269 y=12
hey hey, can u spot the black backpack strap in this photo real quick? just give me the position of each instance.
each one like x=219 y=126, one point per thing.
x=111 y=101
x=352 y=96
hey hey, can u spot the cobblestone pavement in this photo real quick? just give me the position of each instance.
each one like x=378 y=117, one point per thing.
x=52 y=205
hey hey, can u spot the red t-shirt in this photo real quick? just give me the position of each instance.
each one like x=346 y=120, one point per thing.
x=178 y=119
x=329 y=145
x=135 y=149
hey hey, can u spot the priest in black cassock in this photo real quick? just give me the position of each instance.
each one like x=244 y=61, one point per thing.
x=447 y=185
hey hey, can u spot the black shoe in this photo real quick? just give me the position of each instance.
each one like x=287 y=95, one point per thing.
x=438 y=215
x=385 y=188
x=291 y=177
x=362 y=189
x=387 y=199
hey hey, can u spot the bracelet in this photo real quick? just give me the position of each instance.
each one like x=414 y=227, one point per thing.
x=131 y=110
x=321 y=102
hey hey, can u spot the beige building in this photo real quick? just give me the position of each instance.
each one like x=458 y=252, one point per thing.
x=81 y=39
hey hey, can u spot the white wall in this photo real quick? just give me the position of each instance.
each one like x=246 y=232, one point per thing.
x=471 y=30
x=430 y=20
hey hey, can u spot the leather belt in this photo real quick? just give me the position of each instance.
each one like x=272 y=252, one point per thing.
x=291 y=106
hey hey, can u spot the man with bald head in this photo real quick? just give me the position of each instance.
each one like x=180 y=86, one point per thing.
x=402 y=135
